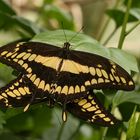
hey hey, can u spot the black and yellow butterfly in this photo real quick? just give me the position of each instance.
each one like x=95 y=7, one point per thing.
x=60 y=74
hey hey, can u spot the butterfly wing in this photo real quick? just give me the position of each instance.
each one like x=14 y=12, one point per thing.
x=18 y=93
x=91 y=110
x=96 y=71
x=82 y=71
x=20 y=55
x=33 y=59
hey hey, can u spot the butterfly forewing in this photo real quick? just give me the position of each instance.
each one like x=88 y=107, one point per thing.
x=19 y=55
x=98 y=72
x=91 y=110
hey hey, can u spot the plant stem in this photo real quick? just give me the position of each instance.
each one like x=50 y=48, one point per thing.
x=103 y=30
x=106 y=128
x=104 y=133
x=130 y=30
x=76 y=131
x=110 y=36
x=107 y=22
x=60 y=131
x=123 y=31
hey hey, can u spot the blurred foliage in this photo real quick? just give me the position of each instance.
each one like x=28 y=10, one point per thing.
x=11 y=20
x=57 y=14
x=135 y=3
x=41 y=122
x=118 y=17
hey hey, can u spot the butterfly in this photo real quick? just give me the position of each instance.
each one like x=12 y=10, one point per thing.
x=59 y=74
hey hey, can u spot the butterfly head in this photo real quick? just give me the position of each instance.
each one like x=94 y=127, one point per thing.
x=67 y=45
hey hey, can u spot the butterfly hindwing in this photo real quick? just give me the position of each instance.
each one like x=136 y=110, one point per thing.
x=91 y=110
x=18 y=93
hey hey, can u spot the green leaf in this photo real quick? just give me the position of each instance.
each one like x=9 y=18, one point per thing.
x=2 y=120
x=42 y=117
x=5 y=74
x=126 y=110
x=9 y=135
x=85 y=43
x=26 y=25
x=122 y=96
x=132 y=126
x=118 y=17
x=11 y=112
x=35 y=121
x=135 y=12
x=20 y=122
x=5 y=8
x=137 y=130
x=8 y=22
x=124 y=59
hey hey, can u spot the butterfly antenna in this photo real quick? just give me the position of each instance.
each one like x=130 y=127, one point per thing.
x=64 y=32
x=76 y=34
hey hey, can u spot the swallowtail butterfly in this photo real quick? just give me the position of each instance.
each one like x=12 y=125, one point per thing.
x=63 y=75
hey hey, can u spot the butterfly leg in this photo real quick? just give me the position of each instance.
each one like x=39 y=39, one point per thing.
x=50 y=102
